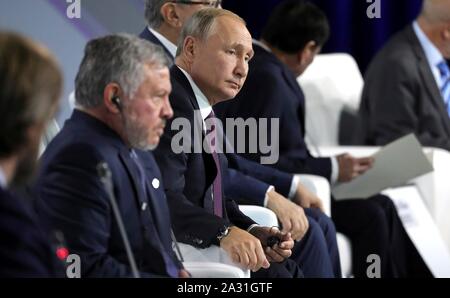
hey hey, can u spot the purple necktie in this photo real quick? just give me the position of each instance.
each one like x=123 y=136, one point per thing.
x=217 y=184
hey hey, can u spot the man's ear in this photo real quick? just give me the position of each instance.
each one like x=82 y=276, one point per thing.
x=190 y=48
x=170 y=15
x=446 y=33
x=306 y=55
x=111 y=90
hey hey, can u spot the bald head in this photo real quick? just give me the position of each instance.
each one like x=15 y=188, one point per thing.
x=436 y=11
x=434 y=20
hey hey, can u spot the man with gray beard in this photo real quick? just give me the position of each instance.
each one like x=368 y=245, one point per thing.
x=122 y=90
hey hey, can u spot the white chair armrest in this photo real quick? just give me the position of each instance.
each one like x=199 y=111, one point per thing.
x=212 y=261
x=215 y=270
x=260 y=215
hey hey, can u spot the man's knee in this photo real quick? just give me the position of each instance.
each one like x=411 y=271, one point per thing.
x=325 y=222
x=285 y=269
x=384 y=202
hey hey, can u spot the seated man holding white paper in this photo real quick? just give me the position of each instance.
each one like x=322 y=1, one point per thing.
x=294 y=35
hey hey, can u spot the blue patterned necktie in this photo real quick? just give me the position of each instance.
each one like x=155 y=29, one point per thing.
x=445 y=85
x=172 y=269
x=217 y=184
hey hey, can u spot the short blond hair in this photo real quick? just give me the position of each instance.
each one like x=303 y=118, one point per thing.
x=201 y=23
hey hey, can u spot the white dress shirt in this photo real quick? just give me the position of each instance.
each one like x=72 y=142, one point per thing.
x=433 y=55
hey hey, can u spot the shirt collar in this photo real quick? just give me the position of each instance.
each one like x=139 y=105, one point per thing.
x=2 y=178
x=433 y=55
x=202 y=101
x=166 y=43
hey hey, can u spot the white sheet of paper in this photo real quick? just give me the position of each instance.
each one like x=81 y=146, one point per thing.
x=395 y=164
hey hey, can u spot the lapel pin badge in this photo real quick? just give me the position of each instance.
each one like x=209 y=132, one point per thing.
x=155 y=183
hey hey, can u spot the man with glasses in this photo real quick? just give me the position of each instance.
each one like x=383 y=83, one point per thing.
x=165 y=19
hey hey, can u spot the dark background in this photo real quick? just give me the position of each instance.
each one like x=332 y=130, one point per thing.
x=351 y=30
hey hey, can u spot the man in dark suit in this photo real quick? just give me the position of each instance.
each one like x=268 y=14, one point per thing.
x=245 y=181
x=407 y=87
x=122 y=90
x=30 y=86
x=293 y=36
x=193 y=177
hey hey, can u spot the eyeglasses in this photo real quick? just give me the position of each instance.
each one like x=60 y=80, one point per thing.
x=215 y=3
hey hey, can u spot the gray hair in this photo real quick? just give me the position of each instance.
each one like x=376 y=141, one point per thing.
x=201 y=23
x=118 y=58
x=153 y=12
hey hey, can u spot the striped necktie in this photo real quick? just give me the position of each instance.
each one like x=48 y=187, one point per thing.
x=217 y=184
x=445 y=84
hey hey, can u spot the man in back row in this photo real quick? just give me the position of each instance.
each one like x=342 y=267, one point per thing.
x=407 y=85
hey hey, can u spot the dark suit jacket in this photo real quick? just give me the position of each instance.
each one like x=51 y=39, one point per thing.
x=71 y=197
x=188 y=176
x=245 y=181
x=271 y=91
x=401 y=96
x=25 y=249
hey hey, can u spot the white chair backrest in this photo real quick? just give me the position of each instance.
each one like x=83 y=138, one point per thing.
x=331 y=83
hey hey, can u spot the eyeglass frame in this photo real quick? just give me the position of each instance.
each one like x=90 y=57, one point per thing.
x=211 y=3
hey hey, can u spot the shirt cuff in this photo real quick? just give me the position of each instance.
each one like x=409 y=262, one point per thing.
x=251 y=227
x=294 y=187
x=334 y=170
x=266 y=198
